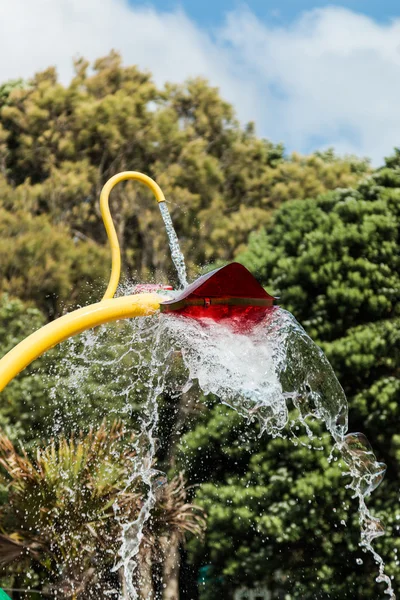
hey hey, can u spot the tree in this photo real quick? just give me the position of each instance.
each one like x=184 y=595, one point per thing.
x=41 y=263
x=334 y=262
x=58 y=146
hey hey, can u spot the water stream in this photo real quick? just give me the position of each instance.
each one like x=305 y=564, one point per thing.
x=176 y=253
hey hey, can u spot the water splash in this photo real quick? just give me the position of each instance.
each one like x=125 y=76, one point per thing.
x=367 y=473
x=260 y=374
x=142 y=467
x=176 y=254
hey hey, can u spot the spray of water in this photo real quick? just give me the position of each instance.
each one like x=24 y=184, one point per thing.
x=142 y=467
x=127 y=365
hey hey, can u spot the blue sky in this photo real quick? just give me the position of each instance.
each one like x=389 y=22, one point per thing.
x=209 y=13
x=309 y=74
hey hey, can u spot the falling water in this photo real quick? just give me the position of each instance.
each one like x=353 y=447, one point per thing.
x=262 y=374
x=176 y=254
x=132 y=532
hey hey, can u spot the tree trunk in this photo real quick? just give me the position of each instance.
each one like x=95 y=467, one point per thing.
x=171 y=570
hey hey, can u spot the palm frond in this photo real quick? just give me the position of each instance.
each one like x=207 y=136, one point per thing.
x=61 y=503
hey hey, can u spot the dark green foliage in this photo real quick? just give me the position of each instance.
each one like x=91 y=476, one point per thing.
x=280 y=513
x=334 y=260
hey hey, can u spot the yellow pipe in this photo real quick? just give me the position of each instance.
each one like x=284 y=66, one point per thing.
x=127 y=307
x=109 y=225
x=109 y=309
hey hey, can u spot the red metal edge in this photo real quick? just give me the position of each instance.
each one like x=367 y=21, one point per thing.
x=233 y=281
x=230 y=293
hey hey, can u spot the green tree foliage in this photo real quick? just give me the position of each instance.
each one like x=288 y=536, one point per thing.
x=334 y=261
x=277 y=511
x=59 y=144
x=41 y=263
x=22 y=399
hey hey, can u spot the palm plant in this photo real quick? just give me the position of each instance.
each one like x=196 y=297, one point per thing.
x=58 y=524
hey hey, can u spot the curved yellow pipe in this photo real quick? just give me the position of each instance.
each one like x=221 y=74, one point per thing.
x=109 y=225
x=140 y=305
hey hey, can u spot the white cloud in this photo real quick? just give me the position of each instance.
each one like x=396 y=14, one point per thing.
x=330 y=78
x=336 y=75
x=37 y=33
